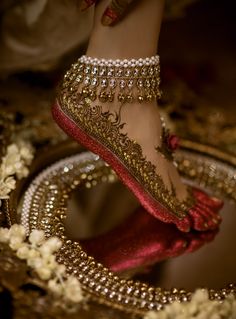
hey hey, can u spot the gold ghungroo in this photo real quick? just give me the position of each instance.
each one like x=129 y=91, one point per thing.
x=125 y=81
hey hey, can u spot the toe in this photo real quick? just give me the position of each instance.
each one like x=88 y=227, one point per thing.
x=212 y=202
x=213 y=219
x=198 y=221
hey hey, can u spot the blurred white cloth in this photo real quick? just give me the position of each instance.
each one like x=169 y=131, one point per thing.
x=36 y=33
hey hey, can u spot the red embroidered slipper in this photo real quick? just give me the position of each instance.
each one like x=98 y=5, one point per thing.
x=141 y=241
x=90 y=80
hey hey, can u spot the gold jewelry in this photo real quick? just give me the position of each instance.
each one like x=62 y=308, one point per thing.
x=123 y=81
x=54 y=187
x=104 y=127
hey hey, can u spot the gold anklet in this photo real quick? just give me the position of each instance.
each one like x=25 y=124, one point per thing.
x=125 y=81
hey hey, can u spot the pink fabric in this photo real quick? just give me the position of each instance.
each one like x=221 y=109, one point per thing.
x=143 y=240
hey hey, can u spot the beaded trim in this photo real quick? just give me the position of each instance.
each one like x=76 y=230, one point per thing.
x=124 y=81
x=54 y=186
x=121 y=63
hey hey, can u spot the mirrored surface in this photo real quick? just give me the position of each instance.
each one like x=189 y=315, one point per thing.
x=94 y=213
x=102 y=228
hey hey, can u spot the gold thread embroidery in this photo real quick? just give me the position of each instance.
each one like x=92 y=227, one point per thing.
x=106 y=128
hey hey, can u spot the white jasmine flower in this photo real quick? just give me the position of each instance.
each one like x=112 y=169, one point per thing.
x=44 y=273
x=23 y=252
x=17 y=231
x=11 y=163
x=60 y=270
x=12 y=149
x=55 y=287
x=10 y=182
x=36 y=237
x=16 y=243
x=35 y=262
x=175 y=307
x=14 y=163
x=26 y=151
x=22 y=172
x=50 y=246
x=54 y=243
x=200 y=295
x=200 y=307
x=45 y=250
x=192 y=308
x=38 y=254
x=153 y=315
x=6 y=186
x=73 y=290
x=4 y=191
x=33 y=254
x=50 y=262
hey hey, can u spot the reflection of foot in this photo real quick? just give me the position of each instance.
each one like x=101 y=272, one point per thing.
x=142 y=240
x=128 y=135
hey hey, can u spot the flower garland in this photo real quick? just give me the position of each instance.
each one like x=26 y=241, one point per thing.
x=38 y=252
x=14 y=165
x=200 y=307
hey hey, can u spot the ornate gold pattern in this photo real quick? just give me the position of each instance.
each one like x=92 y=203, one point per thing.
x=117 y=82
x=55 y=185
x=106 y=128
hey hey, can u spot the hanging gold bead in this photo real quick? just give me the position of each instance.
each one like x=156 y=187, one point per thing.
x=148 y=97
x=129 y=98
x=93 y=95
x=110 y=97
x=85 y=92
x=121 y=97
x=140 y=98
x=103 y=97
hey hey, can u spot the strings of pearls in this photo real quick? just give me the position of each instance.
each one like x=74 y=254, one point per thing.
x=121 y=63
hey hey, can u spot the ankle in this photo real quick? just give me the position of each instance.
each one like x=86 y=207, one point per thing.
x=135 y=37
x=106 y=44
x=118 y=50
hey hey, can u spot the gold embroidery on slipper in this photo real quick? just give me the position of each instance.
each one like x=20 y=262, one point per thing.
x=106 y=127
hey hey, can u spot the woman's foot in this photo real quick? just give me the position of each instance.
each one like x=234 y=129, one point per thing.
x=130 y=39
x=142 y=124
x=101 y=110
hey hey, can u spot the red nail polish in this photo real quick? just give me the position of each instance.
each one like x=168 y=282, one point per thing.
x=86 y=4
x=109 y=17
